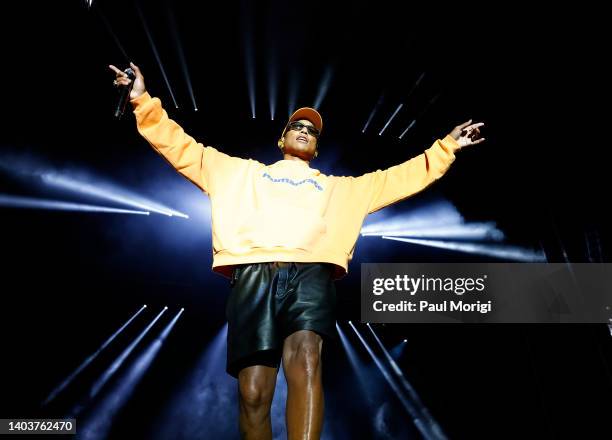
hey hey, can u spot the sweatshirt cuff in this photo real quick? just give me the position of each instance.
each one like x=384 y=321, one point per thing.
x=450 y=143
x=142 y=99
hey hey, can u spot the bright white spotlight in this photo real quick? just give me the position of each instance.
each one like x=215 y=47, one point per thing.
x=107 y=191
x=498 y=251
x=31 y=203
x=468 y=231
x=399 y=107
x=405 y=340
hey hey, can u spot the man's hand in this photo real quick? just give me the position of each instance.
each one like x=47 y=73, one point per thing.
x=122 y=79
x=467 y=134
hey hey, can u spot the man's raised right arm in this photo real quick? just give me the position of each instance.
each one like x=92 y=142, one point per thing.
x=186 y=155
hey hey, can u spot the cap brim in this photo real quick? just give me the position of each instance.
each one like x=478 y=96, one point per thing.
x=309 y=114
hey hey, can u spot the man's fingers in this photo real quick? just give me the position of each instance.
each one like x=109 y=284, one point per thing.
x=114 y=69
x=478 y=141
x=472 y=130
x=122 y=81
x=465 y=124
x=136 y=70
x=117 y=71
x=480 y=124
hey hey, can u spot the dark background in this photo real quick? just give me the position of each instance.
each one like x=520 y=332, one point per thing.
x=70 y=279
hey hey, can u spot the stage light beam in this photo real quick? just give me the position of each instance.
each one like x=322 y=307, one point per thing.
x=357 y=365
x=181 y=56
x=323 y=87
x=498 y=251
x=407 y=128
x=107 y=191
x=429 y=104
x=154 y=49
x=81 y=182
x=294 y=85
x=373 y=112
x=249 y=52
x=399 y=107
x=89 y=360
x=433 y=425
x=413 y=411
x=198 y=405
x=58 y=205
x=468 y=231
x=95 y=389
x=272 y=89
x=100 y=420
x=112 y=33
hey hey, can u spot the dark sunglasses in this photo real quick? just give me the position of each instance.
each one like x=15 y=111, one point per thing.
x=298 y=127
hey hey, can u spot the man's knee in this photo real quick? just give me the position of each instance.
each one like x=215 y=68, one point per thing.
x=302 y=354
x=256 y=387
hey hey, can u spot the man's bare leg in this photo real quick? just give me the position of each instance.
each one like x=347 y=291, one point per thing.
x=256 y=386
x=302 y=367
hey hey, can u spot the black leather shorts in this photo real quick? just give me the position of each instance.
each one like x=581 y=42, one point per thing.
x=270 y=301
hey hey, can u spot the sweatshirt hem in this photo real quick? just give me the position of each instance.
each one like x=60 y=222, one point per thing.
x=224 y=261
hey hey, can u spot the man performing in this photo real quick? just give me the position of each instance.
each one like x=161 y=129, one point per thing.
x=282 y=234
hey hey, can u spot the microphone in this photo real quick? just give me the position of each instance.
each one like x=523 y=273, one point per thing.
x=124 y=93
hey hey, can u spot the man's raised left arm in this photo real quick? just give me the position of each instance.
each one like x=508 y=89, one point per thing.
x=408 y=178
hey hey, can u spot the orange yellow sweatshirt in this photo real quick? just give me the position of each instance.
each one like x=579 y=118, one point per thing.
x=286 y=211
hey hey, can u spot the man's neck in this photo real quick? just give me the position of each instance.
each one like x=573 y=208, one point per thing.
x=296 y=158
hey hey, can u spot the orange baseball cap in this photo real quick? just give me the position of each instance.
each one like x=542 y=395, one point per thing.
x=309 y=114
